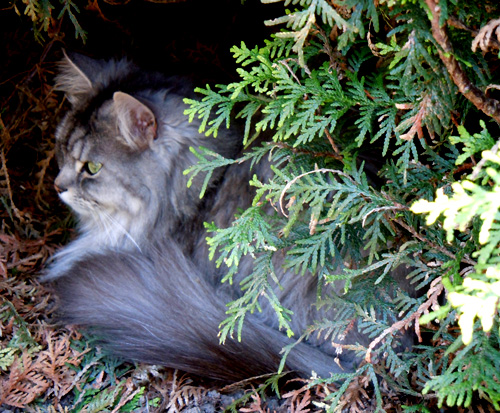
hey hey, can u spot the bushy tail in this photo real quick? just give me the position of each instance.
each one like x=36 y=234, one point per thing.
x=160 y=310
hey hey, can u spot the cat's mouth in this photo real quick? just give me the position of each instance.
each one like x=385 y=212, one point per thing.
x=67 y=197
x=77 y=204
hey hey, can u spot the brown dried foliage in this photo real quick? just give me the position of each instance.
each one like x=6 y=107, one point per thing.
x=46 y=372
x=36 y=358
x=181 y=393
x=488 y=38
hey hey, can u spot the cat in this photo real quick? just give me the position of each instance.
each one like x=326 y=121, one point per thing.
x=138 y=275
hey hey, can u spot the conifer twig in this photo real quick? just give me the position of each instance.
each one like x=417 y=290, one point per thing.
x=480 y=164
x=332 y=143
x=289 y=184
x=314 y=154
x=433 y=296
x=484 y=38
x=433 y=245
x=489 y=106
x=5 y=172
x=453 y=21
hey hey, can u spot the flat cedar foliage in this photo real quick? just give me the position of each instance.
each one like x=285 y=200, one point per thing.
x=382 y=122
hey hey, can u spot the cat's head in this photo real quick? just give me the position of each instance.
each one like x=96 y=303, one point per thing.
x=107 y=170
x=123 y=146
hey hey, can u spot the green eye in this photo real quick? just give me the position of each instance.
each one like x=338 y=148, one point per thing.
x=92 y=167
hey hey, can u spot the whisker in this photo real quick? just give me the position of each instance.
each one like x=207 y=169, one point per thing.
x=113 y=221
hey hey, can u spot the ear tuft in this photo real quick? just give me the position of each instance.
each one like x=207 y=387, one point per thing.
x=72 y=79
x=137 y=123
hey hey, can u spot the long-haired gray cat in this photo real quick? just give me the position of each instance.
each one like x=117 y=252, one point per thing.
x=138 y=276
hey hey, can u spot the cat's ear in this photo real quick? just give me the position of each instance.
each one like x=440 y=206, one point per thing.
x=137 y=123
x=73 y=78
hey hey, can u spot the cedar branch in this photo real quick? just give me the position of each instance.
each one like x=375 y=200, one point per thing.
x=433 y=296
x=489 y=106
x=433 y=245
x=454 y=22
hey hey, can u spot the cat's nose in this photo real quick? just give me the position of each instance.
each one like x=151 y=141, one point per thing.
x=59 y=186
x=59 y=189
